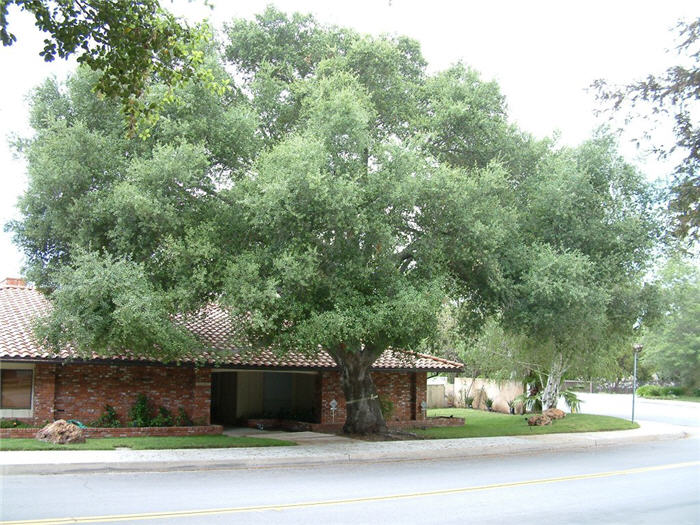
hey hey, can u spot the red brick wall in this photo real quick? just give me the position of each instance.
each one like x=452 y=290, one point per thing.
x=83 y=390
x=80 y=391
x=201 y=396
x=6 y=433
x=330 y=389
x=396 y=386
x=44 y=393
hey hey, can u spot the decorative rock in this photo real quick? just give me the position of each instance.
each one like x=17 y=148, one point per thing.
x=554 y=413
x=539 y=420
x=61 y=432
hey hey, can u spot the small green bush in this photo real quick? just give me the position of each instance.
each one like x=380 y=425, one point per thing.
x=673 y=391
x=163 y=419
x=649 y=391
x=182 y=419
x=468 y=401
x=13 y=423
x=108 y=419
x=387 y=407
x=528 y=403
x=140 y=414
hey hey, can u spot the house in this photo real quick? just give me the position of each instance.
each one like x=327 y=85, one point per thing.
x=38 y=385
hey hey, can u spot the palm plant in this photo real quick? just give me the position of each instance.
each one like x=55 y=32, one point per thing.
x=533 y=403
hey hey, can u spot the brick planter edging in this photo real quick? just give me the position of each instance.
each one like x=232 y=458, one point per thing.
x=6 y=433
x=398 y=425
x=295 y=426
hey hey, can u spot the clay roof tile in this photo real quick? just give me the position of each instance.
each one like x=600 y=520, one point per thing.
x=19 y=306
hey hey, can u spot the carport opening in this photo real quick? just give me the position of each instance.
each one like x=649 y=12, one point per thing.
x=242 y=395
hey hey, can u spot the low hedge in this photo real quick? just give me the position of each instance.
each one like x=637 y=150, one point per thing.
x=659 y=391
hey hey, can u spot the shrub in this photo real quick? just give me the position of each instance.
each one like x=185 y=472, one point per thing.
x=13 y=423
x=529 y=403
x=673 y=391
x=163 y=419
x=468 y=400
x=108 y=418
x=140 y=412
x=387 y=408
x=182 y=419
x=571 y=400
x=489 y=403
x=649 y=391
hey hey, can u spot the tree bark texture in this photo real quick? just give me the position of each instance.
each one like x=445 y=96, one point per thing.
x=550 y=395
x=363 y=411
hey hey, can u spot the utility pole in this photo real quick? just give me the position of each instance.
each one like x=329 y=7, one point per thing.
x=637 y=349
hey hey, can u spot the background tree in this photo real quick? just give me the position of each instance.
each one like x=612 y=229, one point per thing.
x=130 y=43
x=672 y=348
x=589 y=230
x=675 y=93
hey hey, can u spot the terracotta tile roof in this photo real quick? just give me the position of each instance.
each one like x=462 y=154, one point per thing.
x=19 y=306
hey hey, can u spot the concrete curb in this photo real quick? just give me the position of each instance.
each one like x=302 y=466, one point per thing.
x=123 y=461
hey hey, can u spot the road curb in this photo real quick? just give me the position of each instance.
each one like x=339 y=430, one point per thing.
x=427 y=450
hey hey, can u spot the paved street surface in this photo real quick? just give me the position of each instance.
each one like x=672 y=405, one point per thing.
x=655 y=482
x=659 y=410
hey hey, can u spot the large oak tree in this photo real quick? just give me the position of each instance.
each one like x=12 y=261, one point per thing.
x=317 y=201
x=337 y=198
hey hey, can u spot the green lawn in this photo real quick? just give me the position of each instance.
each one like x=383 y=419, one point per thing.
x=480 y=423
x=146 y=443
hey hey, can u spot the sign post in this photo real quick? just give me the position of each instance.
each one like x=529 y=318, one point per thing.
x=334 y=406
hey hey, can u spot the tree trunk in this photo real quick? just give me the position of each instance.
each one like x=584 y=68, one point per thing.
x=363 y=412
x=550 y=395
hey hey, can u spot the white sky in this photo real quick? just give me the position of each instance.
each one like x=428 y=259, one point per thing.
x=543 y=54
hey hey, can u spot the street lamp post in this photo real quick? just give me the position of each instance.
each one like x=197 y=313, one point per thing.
x=637 y=349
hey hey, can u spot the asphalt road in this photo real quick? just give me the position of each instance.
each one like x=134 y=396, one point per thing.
x=659 y=410
x=656 y=482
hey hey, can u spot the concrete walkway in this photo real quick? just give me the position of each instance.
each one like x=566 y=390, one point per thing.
x=314 y=448
x=300 y=438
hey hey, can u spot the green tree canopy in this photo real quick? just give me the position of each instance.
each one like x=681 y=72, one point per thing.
x=590 y=227
x=675 y=94
x=672 y=348
x=322 y=200
x=130 y=43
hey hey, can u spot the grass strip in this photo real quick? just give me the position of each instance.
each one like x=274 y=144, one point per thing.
x=147 y=443
x=480 y=423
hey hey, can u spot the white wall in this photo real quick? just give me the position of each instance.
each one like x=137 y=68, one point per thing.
x=500 y=391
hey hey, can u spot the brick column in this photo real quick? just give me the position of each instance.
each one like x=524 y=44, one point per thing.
x=201 y=396
x=331 y=389
x=421 y=393
x=44 y=393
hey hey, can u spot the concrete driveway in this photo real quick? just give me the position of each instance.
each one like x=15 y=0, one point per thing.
x=659 y=410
